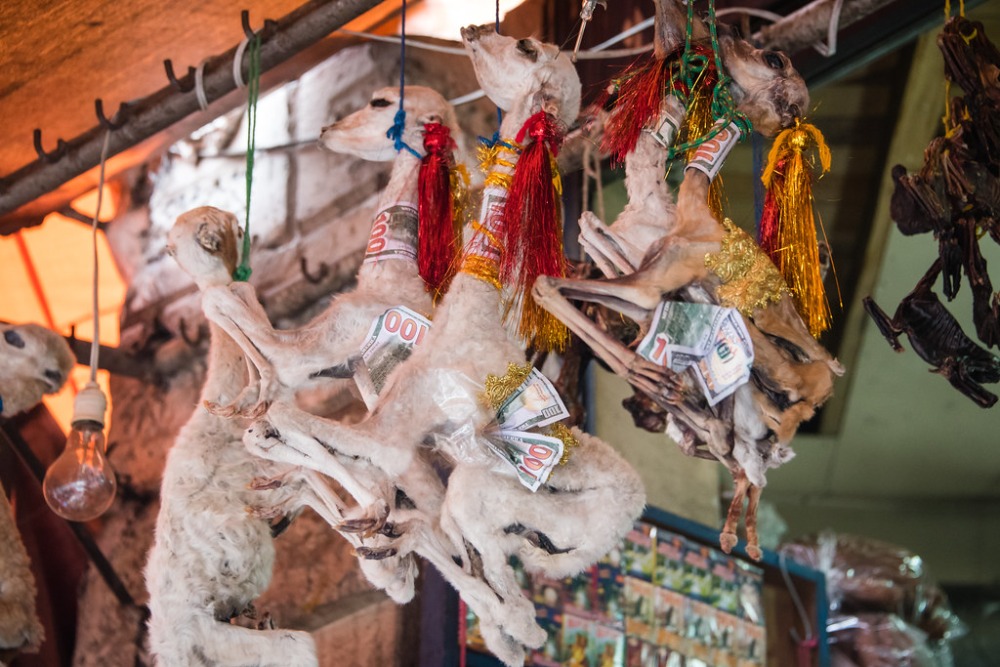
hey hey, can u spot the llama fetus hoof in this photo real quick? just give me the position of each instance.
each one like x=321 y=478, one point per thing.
x=754 y=552
x=220 y=410
x=263 y=512
x=375 y=553
x=266 y=483
x=367 y=526
x=389 y=530
x=266 y=622
x=727 y=541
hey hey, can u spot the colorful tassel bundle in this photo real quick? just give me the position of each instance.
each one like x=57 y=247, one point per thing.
x=638 y=94
x=531 y=233
x=698 y=120
x=439 y=235
x=788 y=228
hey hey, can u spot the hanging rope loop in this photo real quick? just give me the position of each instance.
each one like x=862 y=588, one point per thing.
x=243 y=271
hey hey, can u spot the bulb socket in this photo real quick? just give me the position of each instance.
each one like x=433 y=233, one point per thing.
x=90 y=404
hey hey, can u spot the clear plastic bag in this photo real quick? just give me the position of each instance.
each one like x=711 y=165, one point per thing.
x=882 y=640
x=868 y=575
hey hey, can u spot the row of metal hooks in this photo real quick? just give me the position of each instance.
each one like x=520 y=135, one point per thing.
x=184 y=84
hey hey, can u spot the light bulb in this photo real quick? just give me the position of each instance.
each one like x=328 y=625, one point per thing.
x=80 y=485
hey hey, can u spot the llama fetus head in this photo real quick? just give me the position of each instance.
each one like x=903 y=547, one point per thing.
x=208 y=245
x=512 y=71
x=34 y=361
x=765 y=85
x=363 y=134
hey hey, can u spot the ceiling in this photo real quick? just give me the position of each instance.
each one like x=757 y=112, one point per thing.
x=896 y=446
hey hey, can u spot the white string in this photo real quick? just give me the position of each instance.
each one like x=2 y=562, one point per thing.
x=237 y=66
x=199 y=85
x=796 y=600
x=460 y=51
x=751 y=11
x=95 y=346
x=392 y=39
x=625 y=34
x=831 y=34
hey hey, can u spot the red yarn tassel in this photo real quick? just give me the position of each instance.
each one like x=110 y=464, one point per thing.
x=531 y=232
x=770 y=219
x=640 y=93
x=438 y=242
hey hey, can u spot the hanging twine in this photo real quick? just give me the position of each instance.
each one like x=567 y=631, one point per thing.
x=399 y=122
x=243 y=271
x=788 y=226
x=694 y=63
x=531 y=233
x=695 y=76
x=490 y=142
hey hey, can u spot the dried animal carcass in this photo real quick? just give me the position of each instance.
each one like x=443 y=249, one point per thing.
x=211 y=559
x=35 y=361
x=749 y=431
x=433 y=397
x=955 y=196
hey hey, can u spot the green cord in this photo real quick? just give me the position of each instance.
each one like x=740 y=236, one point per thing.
x=243 y=271
x=693 y=66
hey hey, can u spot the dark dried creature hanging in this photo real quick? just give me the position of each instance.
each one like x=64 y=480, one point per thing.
x=956 y=196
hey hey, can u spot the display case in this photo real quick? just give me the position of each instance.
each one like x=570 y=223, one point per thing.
x=666 y=597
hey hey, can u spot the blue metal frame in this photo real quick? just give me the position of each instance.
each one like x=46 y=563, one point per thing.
x=709 y=536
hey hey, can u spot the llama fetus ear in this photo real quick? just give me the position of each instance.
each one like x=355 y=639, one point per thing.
x=549 y=51
x=209 y=238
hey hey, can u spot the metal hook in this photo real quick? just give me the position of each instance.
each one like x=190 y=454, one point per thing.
x=193 y=341
x=55 y=155
x=121 y=115
x=248 y=31
x=314 y=278
x=179 y=84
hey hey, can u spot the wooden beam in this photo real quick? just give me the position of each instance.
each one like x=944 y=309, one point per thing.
x=150 y=115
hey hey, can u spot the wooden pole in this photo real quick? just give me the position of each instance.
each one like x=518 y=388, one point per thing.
x=152 y=114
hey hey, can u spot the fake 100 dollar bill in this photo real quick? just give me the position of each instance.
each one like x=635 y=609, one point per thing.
x=390 y=342
x=532 y=455
x=535 y=403
x=711 y=341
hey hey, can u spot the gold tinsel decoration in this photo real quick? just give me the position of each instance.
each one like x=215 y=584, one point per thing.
x=492 y=156
x=500 y=387
x=788 y=177
x=698 y=120
x=750 y=280
x=562 y=432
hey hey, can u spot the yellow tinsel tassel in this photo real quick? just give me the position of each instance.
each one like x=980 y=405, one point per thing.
x=788 y=226
x=570 y=441
x=698 y=120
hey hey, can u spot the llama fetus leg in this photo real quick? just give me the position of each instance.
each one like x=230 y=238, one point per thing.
x=296 y=448
x=753 y=543
x=728 y=538
x=219 y=306
x=603 y=246
x=641 y=373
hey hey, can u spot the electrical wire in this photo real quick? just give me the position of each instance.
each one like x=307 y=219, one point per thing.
x=796 y=600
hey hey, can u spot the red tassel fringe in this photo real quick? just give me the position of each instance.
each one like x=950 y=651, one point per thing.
x=532 y=227
x=770 y=219
x=640 y=94
x=438 y=242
